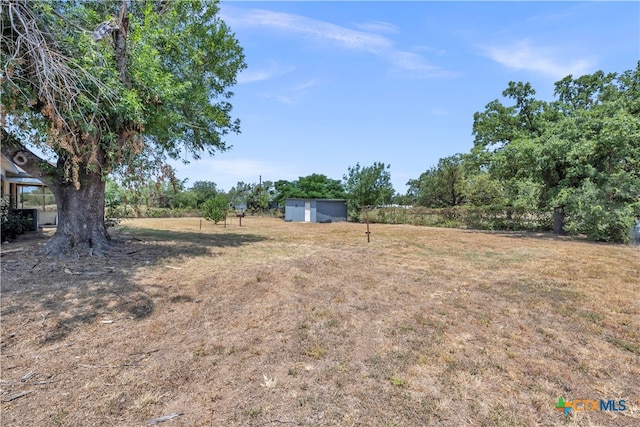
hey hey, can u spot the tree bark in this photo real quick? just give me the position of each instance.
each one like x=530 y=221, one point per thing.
x=81 y=228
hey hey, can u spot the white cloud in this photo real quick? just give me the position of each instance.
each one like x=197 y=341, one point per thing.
x=416 y=64
x=227 y=172
x=249 y=76
x=283 y=99
x=523 y=55
x=430 y=49
x=289 y=23
x=306 y=85
x=293 y=93
x=271 y=70
x=439 y=111
x=325 y=32
x=377 y=27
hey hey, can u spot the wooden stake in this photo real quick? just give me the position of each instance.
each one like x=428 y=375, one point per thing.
x=368 y=233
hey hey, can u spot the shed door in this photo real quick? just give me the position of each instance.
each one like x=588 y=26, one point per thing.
x=307 y=211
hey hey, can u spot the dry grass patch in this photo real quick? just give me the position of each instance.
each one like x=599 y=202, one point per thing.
x=276 y=323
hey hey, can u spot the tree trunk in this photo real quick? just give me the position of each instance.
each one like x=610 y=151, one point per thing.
x=558 y=221
x=81 y=228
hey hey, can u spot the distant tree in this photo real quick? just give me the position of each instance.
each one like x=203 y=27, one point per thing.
x=166 y=189
x=483 y=190
x=259 y=195
x=116 y=203
x=203 y=191
x=285 y=189
x=508 y=134
x=402 y=199
x=187 y=200
x=444 y=185
x=314 y=186
x=318 y=186
x=239 y=194
x=413 y=190
x=368 y=186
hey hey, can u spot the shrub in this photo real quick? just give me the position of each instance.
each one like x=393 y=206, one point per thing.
x=12 y=224
x=215 y=209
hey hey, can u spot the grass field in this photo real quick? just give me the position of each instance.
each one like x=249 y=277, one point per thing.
x=289 y=324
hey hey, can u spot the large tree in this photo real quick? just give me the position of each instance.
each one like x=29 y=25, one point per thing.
x=111 y=87
x=580 y=152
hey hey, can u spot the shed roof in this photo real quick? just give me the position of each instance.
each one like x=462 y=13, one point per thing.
x=315 y=198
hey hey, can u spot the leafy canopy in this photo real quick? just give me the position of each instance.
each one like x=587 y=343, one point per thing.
x=578 y=154
x=314 y=186
x=368 y=186
x=155 y=86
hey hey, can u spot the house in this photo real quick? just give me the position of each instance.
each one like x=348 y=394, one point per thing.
x=26 y=194
x=315 y=210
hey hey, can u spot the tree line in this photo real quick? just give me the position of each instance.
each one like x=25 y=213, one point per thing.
x=112 y=89
x=168 y=195
x=571 y=165
x=576 y=158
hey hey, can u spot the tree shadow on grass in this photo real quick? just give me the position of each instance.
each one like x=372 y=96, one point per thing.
x=57 y=296
x=525 y=234
x=190 y=241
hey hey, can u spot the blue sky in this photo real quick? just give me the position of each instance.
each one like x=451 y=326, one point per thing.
x=330 y=84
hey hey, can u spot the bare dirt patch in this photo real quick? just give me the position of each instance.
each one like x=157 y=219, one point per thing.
x=276 y=323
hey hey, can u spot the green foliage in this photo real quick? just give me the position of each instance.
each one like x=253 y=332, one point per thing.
x=215 y=209
x=253 y=197
x=183 y=61
x=402 y=199
x=443 y=185
x=35 y=197
x=573 y=162
x=314 y=186
x=187 y=200
x=259 y=196
x=476 y=217
x=116 y=203
x=12 y=224
x=157 y=86
x=599 y=216
x=368 y=186
x=239 y=194
x=159 y=213
x=578 y=155
x=482 y=190
x=203 y=191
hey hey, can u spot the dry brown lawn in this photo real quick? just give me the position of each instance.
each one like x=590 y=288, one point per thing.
x=289 y=324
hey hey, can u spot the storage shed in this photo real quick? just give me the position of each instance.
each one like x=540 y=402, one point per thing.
x=315 y=210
